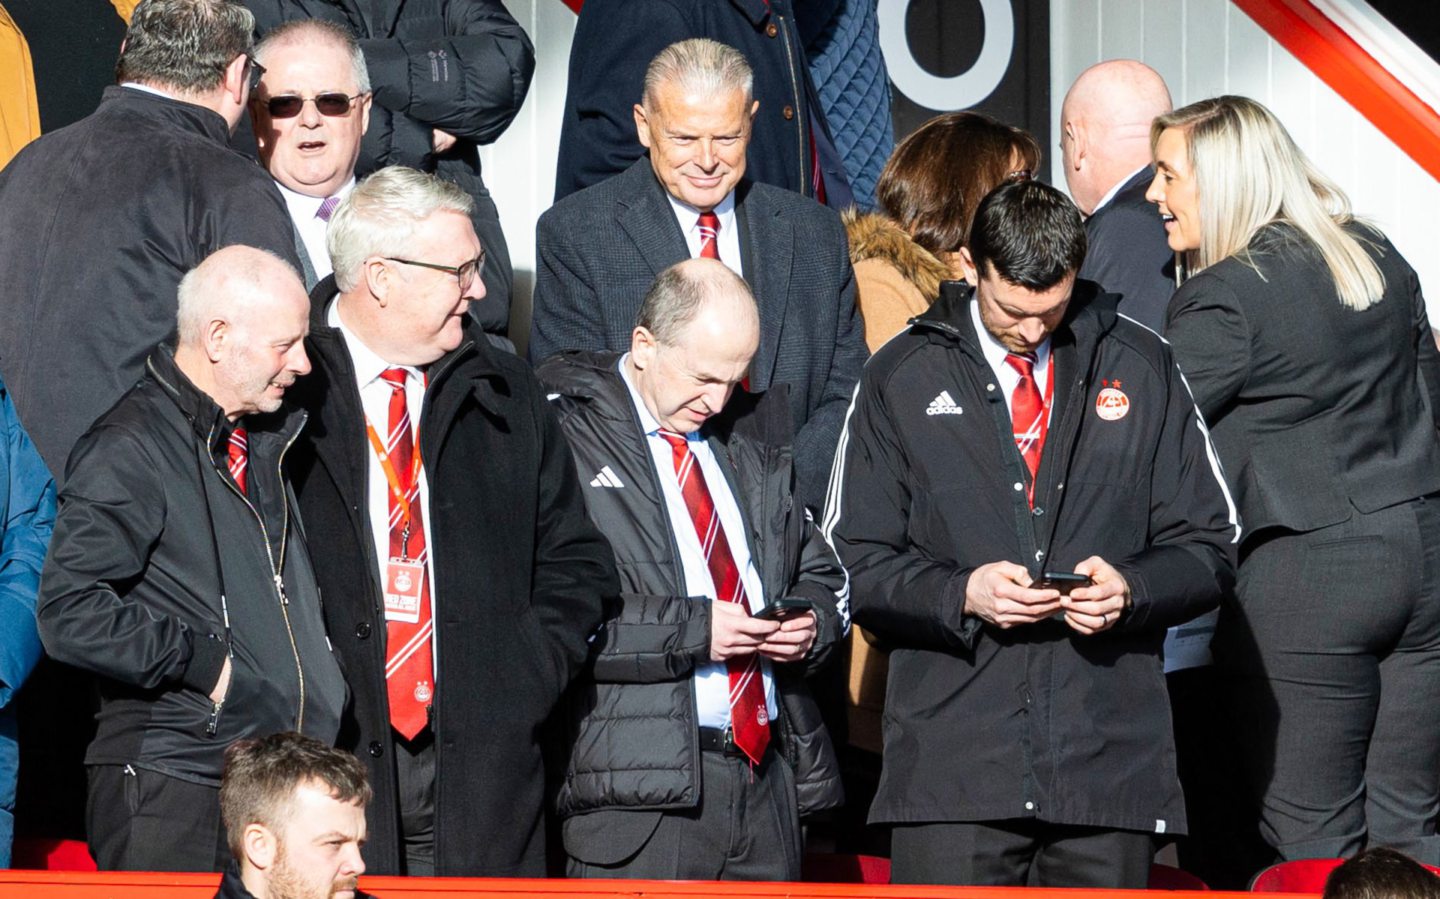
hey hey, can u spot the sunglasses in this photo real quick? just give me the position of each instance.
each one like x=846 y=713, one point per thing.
x=288 y=106
x=253 y=72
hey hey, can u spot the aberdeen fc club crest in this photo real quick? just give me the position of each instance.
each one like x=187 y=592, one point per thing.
x=1111 y=404
x=761 y=718
x=423 y=691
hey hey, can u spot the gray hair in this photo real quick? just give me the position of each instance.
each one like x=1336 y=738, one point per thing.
x=301 y=32
x=185 y=45
x=699 y=66
x=227 y=278
x=380 y=215
x=682 y=290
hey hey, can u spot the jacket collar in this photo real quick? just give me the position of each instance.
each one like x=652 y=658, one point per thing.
x=206 y=418
x=168 y=111
x=755 y=11
x=1092 y=312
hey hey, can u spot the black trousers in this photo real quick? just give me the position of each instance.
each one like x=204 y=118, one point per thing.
x=415 y=780
x=1020 y=852
x=747 y=827
x=140 y=820
x=1335 y=638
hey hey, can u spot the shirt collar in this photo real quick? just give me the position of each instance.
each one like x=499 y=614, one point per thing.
x=1116 y=189
x=689 y=216
x=368 y=366
x=147 y=89
x=306 y=206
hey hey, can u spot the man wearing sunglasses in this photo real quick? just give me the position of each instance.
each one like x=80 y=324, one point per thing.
x=461 y=573
x=310 y=113
x=100 y=220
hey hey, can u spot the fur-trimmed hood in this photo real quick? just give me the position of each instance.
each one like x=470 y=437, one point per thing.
x=873 y=236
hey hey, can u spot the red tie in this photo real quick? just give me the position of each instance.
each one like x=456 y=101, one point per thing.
x=748 y=716
x=709 y=235
x=408 y=663
x=1027 y=411
x=239 y=456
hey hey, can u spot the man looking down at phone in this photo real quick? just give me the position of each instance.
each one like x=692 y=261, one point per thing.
x=729 y=596
x=1022 y=436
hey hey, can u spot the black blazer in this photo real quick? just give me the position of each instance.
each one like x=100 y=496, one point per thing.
x=600 y=249
x=1129 y=255
x=1315 y=409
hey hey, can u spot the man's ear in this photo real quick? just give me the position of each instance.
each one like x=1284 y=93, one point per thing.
x=643 y=347
x=1075 y=132
x=967 y=265
x=215 y=338
x=237 y=79
x=260 y=846
x=642 y=126
x=379 y=278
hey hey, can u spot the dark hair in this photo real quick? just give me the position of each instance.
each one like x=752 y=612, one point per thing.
x=937 y=176
x=1381 y=873
x=1029 y=233
x=184 y=44
x=262 y=775
x=677 y=295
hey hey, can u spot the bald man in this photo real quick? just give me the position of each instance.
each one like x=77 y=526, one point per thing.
x=1105 y=145
x=177 y=574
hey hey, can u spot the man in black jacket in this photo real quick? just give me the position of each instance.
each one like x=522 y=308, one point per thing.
x=695 y=714
x=100 y=220
x=462 y=578
x=1025 y=497
x=178 y=573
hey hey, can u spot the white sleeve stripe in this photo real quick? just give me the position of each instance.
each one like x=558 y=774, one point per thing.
x=835 y=488
x=1210 y=454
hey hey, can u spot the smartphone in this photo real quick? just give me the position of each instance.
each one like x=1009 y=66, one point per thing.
x=784 y=607
x=1064 y=581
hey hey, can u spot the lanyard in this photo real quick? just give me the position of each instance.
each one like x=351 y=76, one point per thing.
x=397 y=492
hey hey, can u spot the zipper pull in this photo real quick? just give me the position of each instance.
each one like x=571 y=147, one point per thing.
x=280 y=590
x=214 y=723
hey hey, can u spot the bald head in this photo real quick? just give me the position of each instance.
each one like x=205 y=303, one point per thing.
x=1105 y=126
x=242 y=318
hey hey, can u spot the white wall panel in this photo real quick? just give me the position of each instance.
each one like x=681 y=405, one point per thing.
x=1209 y=47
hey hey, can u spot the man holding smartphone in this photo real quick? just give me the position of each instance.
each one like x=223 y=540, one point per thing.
x=729 y=597
x=1021 y=541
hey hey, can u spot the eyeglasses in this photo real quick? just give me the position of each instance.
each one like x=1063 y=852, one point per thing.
x=254 y=71
x=465 y=272
x=288 y=106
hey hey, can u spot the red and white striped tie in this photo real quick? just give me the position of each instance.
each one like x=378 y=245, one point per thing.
x=1029 y=415
x=239 y=455
x=748 y=715
x=709 y=225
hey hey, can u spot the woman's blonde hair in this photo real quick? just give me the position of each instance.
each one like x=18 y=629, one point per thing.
x=1249 y=173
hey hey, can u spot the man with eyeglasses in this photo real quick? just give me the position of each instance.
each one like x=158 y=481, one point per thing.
x=461 y=574
x=99 y=221
x=310 y=113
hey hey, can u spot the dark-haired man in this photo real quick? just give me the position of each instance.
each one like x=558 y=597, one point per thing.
x=1020 y=429
x=294 y=811
x=99 y=221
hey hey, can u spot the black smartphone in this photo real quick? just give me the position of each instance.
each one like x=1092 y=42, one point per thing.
x=1064 y=581
x=784 y=607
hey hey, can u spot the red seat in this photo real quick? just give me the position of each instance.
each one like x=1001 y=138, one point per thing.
x=1304 y=875
x=835 y=867
x=1165 y=877
x=51 y=855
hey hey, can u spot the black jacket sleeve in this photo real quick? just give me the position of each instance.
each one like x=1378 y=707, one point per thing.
x=649 y=639
x=1210 y=337
x=824 y=582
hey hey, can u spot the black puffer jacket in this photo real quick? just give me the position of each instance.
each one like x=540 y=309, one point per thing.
x=635 y=740
x=459 y=66
x=151 y=534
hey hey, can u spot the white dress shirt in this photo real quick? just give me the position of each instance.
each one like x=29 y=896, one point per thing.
x=712 y=679
x=310 y=226
x=375 y=401
x=1116 y=189
x=995 y=353
x=727 y=241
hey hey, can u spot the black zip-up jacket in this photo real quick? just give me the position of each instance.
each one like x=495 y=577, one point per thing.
x=634 y=740
x=1035 y=721
x=160 y=567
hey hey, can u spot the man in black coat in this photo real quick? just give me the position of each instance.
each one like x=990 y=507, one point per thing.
x=1105 y=148
x=100 y=220
x=600 y=249
x=448 y=77
x=660 y=781
x=615 y=41
x=1025 y=498
x=462 y=578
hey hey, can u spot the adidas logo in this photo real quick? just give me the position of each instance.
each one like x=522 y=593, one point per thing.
x=943 y=405
x=606 y=478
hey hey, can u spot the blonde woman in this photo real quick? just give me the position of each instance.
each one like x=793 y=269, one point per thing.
x=1303 y=335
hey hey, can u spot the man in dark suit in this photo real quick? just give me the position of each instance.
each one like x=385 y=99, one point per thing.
x=600 y=249
x=1105 y=144
x=461 y=574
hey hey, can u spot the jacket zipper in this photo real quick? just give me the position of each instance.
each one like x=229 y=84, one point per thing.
x=276 y=574
x=801 y=116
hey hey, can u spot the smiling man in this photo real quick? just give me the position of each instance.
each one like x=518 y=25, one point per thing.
x=600 y=249
x=310 y=112
x=178 y=576
x=1025 y=498
x=695 y=745
x=461 y=575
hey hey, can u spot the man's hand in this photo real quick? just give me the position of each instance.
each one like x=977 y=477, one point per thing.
x=1098 y=607
x=441 y=140
x=792 y=641
x=222 y=686
x=734 y=633
x=1000 y=593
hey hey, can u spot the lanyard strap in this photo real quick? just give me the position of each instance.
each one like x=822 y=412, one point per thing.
x=397 y=492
